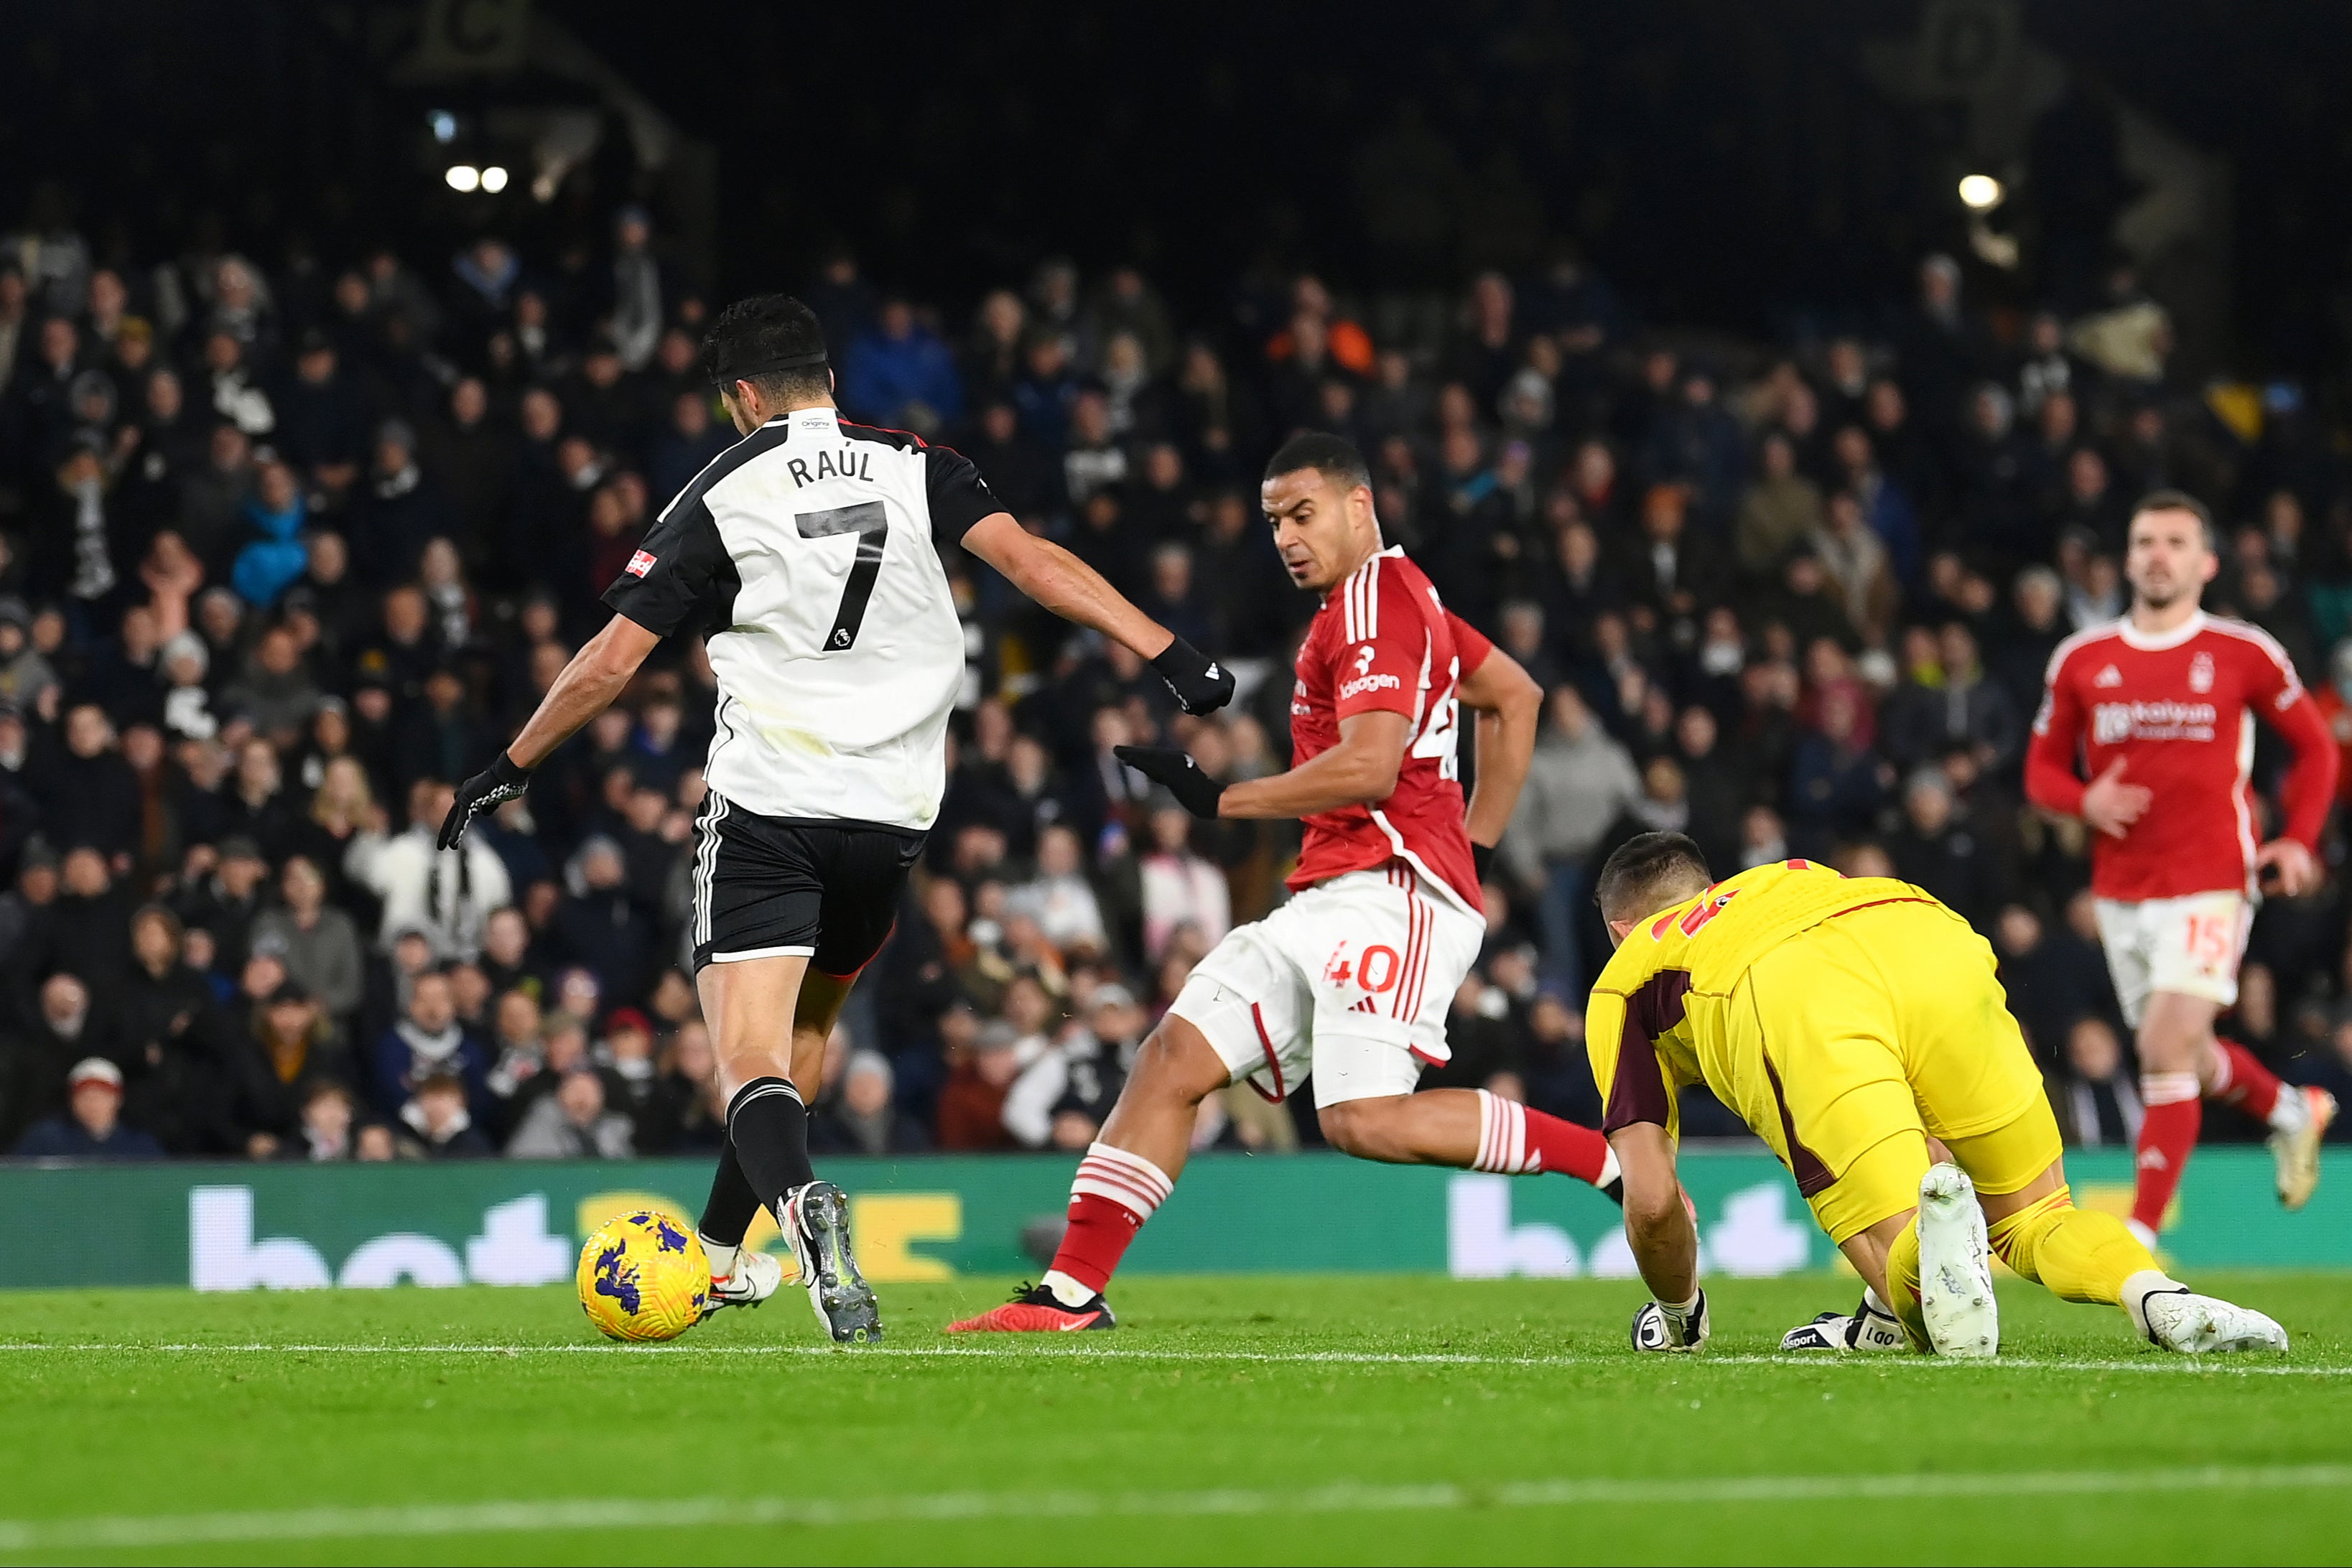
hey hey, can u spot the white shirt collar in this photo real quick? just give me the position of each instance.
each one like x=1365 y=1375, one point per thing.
x=2157 y=642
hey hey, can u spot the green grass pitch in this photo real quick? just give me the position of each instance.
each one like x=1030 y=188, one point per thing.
x=1309 y=1419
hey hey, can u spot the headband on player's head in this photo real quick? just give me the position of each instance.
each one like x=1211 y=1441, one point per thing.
x=728 y=371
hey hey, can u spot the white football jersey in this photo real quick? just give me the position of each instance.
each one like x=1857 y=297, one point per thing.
x=806 y=550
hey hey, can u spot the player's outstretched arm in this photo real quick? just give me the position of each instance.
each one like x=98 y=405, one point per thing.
x=1362 y=770
x=1508 y=702
x=596 y=675
x=1076 y=591
x=1664 y=1239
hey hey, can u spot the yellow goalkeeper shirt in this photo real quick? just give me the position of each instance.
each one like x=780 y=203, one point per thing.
x=1657 y=1019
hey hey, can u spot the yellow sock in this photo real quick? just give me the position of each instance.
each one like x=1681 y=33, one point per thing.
x=2080 y=1254
x=1902 y=1284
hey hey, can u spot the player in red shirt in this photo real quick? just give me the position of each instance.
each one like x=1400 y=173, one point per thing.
x=1350 y=980
x=2161 y=706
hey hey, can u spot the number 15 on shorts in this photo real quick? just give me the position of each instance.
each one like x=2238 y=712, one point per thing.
x=2212 y=942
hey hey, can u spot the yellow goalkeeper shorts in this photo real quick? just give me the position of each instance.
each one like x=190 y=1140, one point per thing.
x=1852 y=1041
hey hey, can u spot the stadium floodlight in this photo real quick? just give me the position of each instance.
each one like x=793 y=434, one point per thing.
x=494 y=179
x=463 y=177
x=1981 y=192
x=444 y=125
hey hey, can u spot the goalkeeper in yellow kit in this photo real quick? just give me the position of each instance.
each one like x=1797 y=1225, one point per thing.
x=1857 y=1024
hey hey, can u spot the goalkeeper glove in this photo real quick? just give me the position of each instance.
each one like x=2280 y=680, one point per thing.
x=493 y=787
x=1660 y=1327
x=1201 y=683
x=1166 y=765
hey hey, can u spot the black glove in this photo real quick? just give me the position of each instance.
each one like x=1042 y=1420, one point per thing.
x=1201 y=684
x=493 y=787
x=1194 y=790
x=1482 y=856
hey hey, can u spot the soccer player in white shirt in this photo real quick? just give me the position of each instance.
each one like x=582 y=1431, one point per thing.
x=805 y=550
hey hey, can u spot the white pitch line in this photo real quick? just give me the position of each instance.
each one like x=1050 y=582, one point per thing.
x=1065 y=1351
x=132 y=1531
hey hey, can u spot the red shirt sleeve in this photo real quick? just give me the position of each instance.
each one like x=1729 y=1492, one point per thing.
x=2051 y=780
x=1471 y=645
x=1383 y=647
x=2277 y=693
x=2310 y=782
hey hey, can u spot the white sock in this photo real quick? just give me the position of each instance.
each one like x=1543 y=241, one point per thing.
x=722 y=1256
x=2291 y=1111
x=1067 y=1291
x=1870 y=1299
x=2140 y=1286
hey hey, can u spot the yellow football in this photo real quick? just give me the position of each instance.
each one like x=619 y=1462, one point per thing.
x=643 y=1277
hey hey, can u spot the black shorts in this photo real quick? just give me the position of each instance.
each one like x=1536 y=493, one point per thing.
x=827 y=890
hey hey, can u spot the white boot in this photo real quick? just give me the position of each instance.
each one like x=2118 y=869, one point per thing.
x=2175 y=1318
x=1956 y=1267
x=752 y=1279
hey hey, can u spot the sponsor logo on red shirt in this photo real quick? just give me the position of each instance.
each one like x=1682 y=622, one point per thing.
x=2112 y=724
x=1381 y=682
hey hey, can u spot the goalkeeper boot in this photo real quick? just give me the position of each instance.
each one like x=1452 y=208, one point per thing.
x=2296 y=1149
x=755 y=1279
x=1035 y=1309
x=815 y=1217
x=1956 y=1267
x=1867 y=1328
x=2176 y=1318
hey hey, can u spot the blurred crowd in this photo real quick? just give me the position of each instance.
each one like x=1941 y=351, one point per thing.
x=285 y=552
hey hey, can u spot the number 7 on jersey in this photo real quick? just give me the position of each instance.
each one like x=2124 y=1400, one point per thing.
x=872 y=526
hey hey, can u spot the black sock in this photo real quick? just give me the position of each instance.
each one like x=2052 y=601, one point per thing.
x=727 y=1216
x=769 y=1127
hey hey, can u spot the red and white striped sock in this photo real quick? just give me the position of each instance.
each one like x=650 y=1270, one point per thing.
x=1516 y=1141
x=2242 y=1081
x=1113 y=1194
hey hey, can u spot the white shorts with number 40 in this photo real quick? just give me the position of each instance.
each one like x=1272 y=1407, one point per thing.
x=2189 y=946
x=1350 y=981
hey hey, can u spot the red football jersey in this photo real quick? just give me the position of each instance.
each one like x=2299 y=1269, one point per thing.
x=1383 y=641
x=2178 y=710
